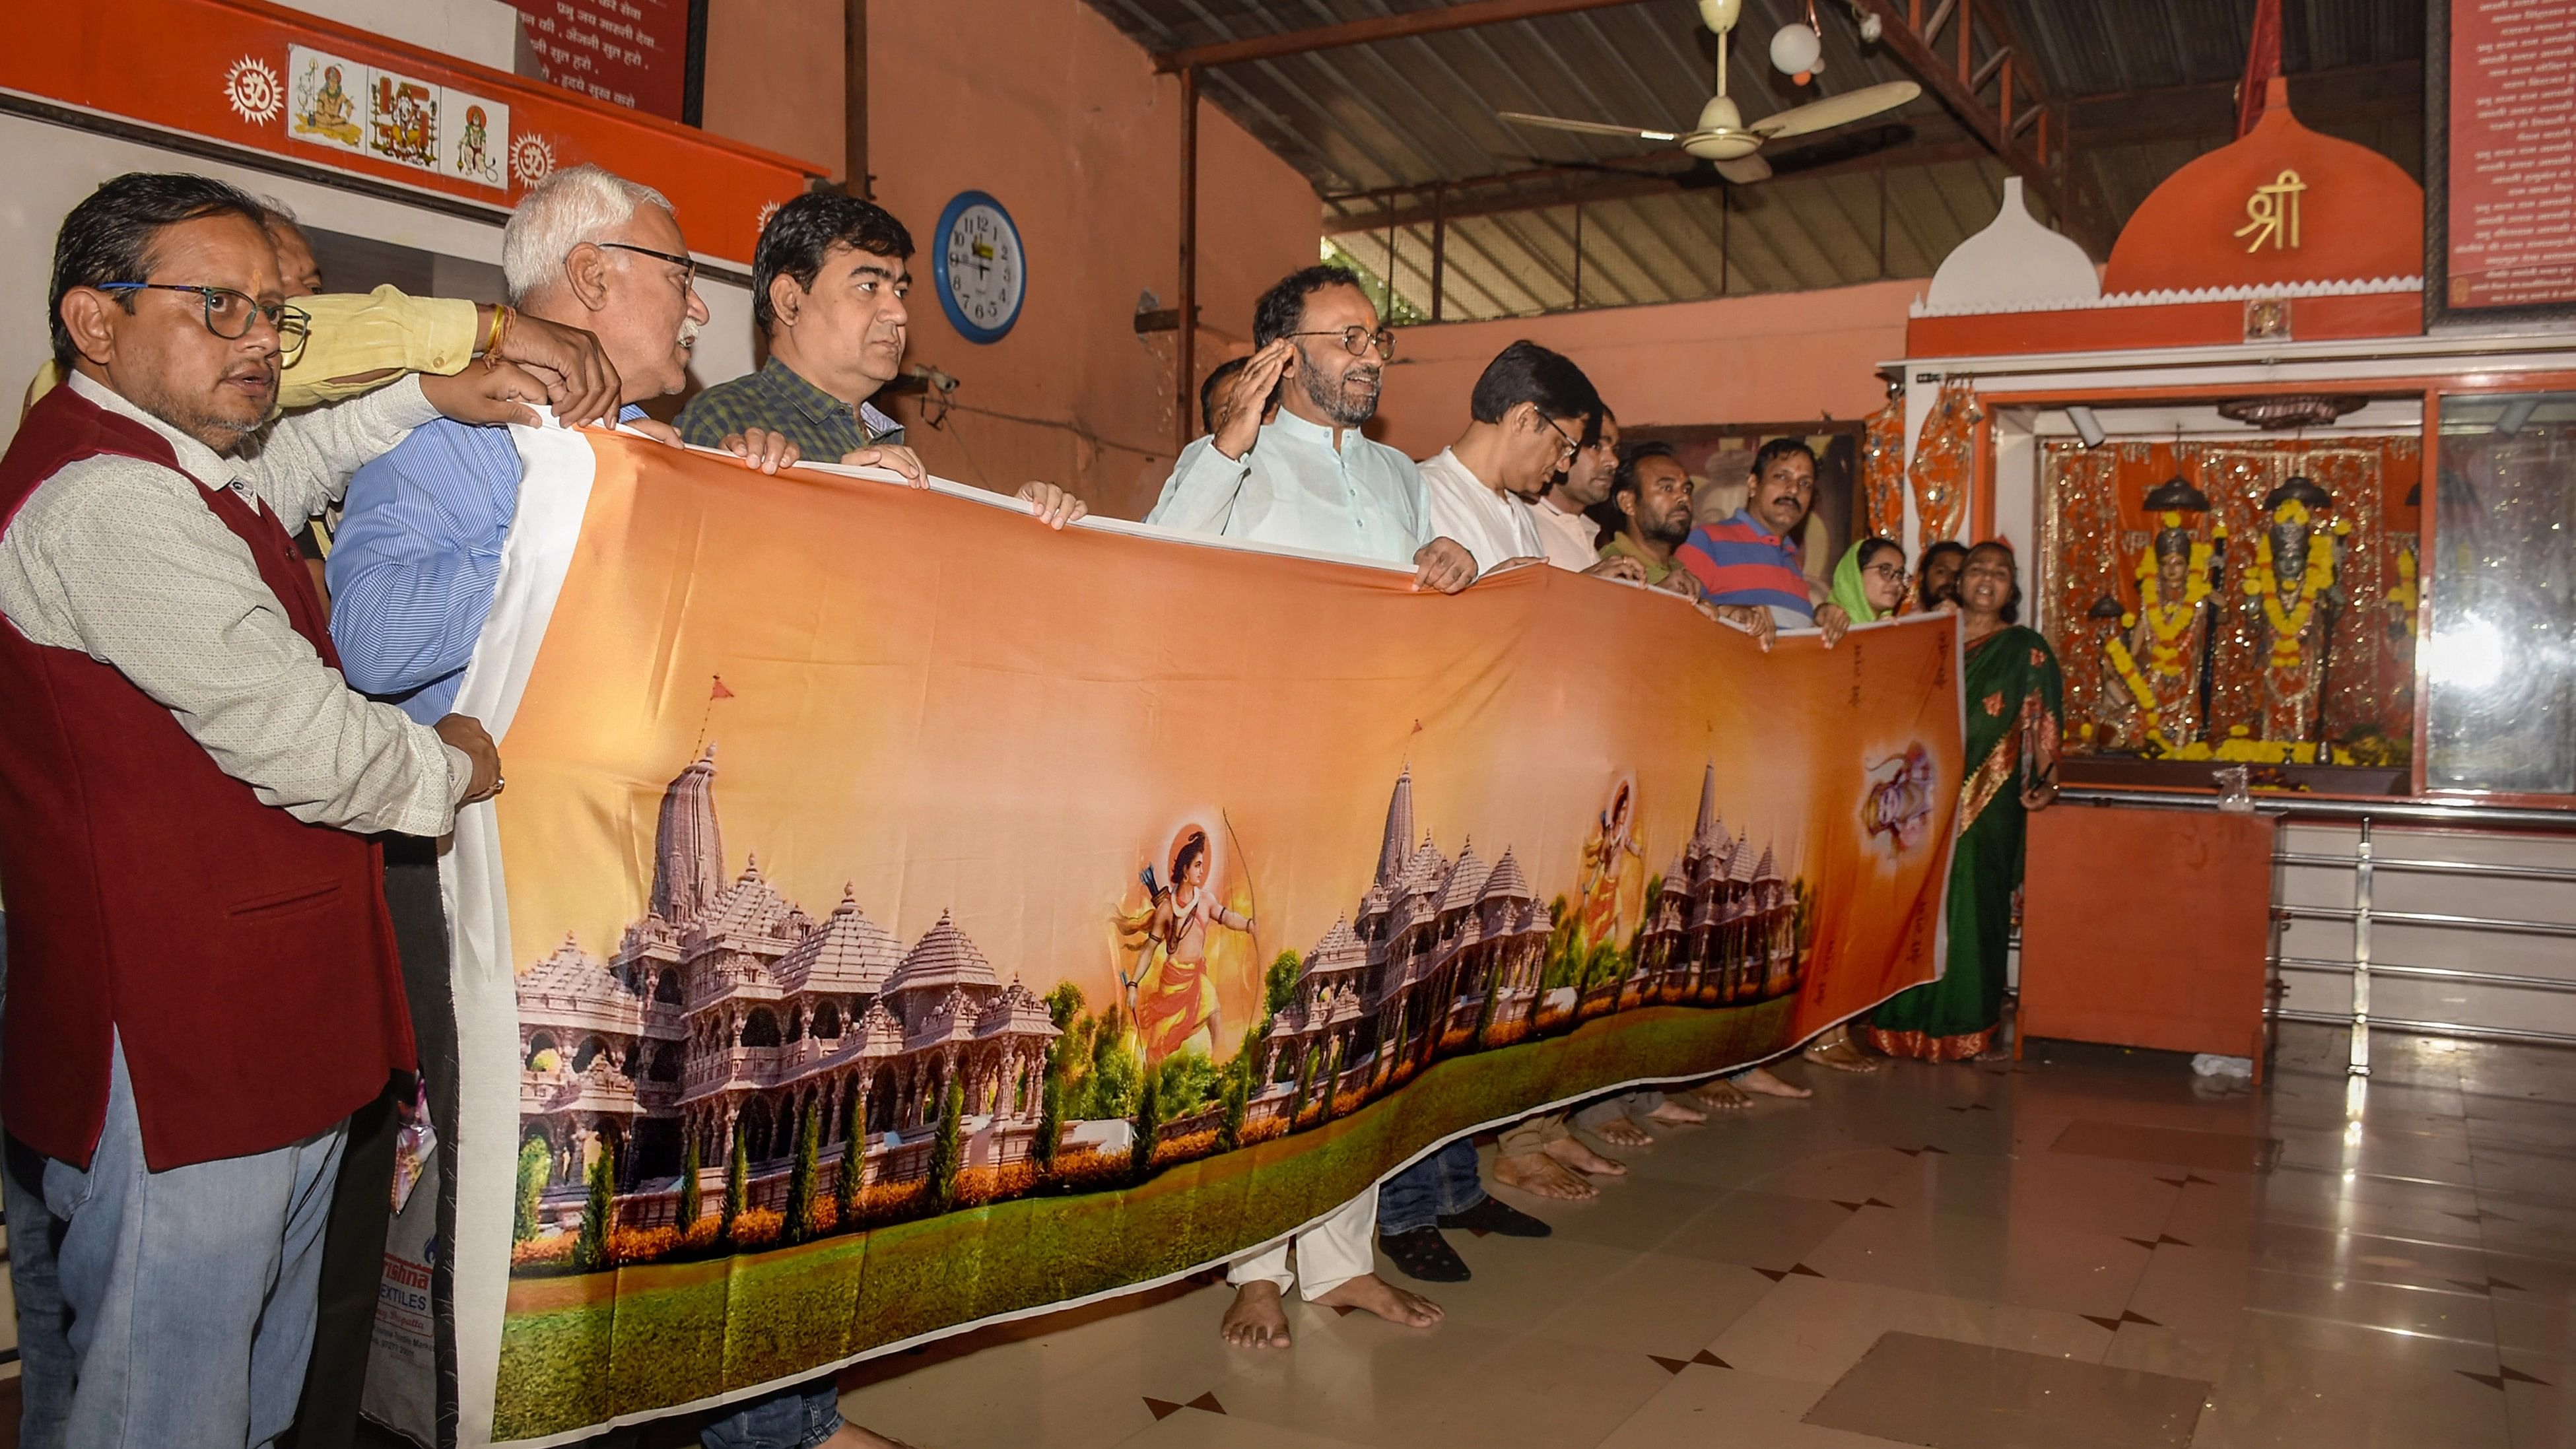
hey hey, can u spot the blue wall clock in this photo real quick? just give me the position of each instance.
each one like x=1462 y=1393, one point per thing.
x=981 y=268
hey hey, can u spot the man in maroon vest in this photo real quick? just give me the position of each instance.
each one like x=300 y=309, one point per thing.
x=202 y=981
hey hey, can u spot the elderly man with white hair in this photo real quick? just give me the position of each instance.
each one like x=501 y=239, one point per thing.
x=419 y=547
x=412 y=574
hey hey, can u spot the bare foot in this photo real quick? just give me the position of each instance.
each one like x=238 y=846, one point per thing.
x=1256 y=1319
x=1537 y=1174
x=1760 y=1082
x=1372 y=1294
x=1837 y=1050
x=1841 y=1056
x=1620 y=1132
x=1724 y=1095
x=1571 y=1151
x=1678 y=1111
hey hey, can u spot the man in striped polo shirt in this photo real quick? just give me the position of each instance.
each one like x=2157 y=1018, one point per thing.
x=1749 y=562
x=1750 y=559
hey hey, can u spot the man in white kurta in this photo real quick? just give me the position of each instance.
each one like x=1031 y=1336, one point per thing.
x=1530 y=412
x=1310 y=481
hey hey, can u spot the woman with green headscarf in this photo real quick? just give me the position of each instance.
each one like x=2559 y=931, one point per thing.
x=1869 y=583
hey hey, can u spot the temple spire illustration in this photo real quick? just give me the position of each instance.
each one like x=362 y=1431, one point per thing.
x=688 y=848
x=1398 y=848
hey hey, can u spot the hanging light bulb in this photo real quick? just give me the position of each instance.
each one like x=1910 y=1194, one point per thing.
x=1719 y=15
x=1795 y=51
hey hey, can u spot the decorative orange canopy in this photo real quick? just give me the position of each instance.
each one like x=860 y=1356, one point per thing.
x=2282 y=205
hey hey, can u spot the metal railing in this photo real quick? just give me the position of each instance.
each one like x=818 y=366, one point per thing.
x=2366 y=865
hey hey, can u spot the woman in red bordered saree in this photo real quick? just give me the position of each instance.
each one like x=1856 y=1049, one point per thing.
x=2013 y=690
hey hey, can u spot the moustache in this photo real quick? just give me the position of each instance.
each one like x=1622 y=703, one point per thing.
x=1368 y=377
x=689 y=334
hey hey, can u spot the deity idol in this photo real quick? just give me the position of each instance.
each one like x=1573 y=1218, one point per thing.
x=2158 y=661
x=2293 y=581
x=1176 y=996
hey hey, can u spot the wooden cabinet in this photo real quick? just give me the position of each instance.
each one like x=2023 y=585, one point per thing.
x=2147 y=928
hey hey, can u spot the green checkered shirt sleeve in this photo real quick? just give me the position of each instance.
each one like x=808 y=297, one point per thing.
x=725 y=409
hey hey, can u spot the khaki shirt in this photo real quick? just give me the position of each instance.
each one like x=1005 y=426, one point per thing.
x=355 y=335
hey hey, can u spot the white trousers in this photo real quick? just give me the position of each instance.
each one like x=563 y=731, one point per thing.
x=1329 y=1254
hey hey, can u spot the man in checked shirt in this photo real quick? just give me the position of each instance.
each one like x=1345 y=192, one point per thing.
x=828 y=281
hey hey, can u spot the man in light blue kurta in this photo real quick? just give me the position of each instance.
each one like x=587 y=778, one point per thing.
x=1310 y=480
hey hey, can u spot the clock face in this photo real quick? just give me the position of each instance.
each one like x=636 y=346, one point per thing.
x=982 y=269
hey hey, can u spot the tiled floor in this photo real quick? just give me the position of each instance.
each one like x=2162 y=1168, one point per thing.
x=2085 y=1250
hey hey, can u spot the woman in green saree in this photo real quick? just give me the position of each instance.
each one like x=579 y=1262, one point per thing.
x=2013 y=690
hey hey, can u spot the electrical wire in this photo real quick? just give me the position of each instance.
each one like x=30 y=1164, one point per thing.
x=1077 y=429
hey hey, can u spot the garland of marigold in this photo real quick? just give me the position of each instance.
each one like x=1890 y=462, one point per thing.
x=2289 y=624
x=2169 y=623
x=2125 y=665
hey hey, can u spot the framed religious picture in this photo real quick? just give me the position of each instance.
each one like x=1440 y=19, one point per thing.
x=477 y=146
x=402 y=119
x=2499 y=164
x=327 y=99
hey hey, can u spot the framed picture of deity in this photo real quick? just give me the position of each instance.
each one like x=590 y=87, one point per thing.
x=2240 y=601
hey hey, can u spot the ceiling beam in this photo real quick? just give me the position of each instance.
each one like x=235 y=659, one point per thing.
x=1855 y=142
x=1662 y=159
x=1431 y=20
x=1580 y=186
x=2339 y=96
x=2041 y=163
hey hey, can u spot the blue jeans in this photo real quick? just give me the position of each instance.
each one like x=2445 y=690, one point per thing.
x=190 y=1290
x=45 y=1361
x=798 y=1417
x=1444 y=1182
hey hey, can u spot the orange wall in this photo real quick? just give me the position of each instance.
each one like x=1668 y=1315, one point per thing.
x=1045 y=105
x=1777 y=357
x=774 y=76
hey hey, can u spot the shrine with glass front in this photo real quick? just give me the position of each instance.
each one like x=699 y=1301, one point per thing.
x=2265 y=516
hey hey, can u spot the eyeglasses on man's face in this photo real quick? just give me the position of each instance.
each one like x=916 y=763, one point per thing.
x=1567 y=444
x=230 y=314
x=1358 y=340
x=688 y=265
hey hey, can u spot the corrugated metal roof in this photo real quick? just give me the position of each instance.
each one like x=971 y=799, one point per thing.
x=1375 y=126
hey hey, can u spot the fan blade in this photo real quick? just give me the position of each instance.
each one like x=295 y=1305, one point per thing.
x=1744 y=170
x=1589 y=128
x=1839 y=110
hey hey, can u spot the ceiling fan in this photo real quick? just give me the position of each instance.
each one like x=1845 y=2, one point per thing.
x=1722 y=134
